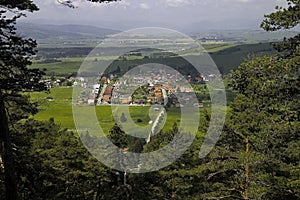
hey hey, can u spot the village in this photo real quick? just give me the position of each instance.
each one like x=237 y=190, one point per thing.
x=144 y=89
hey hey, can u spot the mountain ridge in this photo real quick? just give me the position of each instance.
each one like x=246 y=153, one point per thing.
x=67 y=31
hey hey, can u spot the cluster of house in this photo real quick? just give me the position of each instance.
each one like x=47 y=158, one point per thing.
x=157 y=88
x=106 y=97
x=108 y=94
x=152 y=95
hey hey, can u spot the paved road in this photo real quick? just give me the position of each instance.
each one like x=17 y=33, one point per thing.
x=101 y=95
x=165 y=96
x=154 y=125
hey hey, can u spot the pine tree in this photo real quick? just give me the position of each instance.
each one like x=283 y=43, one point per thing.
x=257 y=157
x=15 y=78
x=284 y=18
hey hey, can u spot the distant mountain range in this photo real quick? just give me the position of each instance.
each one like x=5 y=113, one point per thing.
x=48 y=31
x=244 y=35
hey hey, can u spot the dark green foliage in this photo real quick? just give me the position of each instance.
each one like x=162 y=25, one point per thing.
x=15 y=56
x=51 y=163
x=15 y=77
x=118 y=137
x=20 y=5
x=288 y=46
x=268 y=105
x=257 y=156
x=285 y=18
x=264 y=118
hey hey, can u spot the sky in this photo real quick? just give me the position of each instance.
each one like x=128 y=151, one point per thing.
x=182 y=15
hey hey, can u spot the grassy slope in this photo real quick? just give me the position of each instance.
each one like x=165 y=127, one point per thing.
x=230 y=58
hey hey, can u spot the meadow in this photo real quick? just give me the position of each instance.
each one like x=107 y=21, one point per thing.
x=58 y=105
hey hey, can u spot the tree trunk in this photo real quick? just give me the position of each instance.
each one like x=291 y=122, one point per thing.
x=6 y=154
x=247 y=172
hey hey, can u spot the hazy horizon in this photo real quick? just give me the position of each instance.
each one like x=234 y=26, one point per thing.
x=181 y=15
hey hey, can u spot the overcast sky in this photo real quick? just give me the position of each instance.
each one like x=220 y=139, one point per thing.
x=177 y=14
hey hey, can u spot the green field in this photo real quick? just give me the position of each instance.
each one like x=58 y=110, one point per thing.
x=66 y=66
x=59 y=107
x=227 y=56
x=215 y=47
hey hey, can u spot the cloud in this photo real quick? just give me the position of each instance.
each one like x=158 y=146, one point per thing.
x=244 y=1
x=145 y=6
x=177 y=3
x=176 y=14
x=123 y=3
